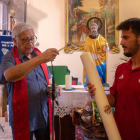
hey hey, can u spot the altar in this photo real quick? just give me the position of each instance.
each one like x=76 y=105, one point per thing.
x=75 y=98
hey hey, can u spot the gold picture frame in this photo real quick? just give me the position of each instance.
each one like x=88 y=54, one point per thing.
x=78 y=10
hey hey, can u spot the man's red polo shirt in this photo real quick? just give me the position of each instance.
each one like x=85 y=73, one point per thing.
x=126 y=88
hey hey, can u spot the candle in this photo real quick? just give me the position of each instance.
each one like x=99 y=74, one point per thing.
x=100 y=97
x=68 y=82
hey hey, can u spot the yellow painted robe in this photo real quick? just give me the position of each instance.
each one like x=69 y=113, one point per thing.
x=97 y=49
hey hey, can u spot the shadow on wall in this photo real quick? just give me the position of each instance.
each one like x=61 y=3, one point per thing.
x=61 y=9
x=34 y=16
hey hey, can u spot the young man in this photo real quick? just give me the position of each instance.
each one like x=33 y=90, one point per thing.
x=25 y=71
x=125 y=92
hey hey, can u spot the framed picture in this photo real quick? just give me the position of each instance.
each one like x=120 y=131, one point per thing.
x=79 y=15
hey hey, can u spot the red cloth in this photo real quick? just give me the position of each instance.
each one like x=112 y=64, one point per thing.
x=126 y=89
x=20 y=103
x=44 y=67
x=84 y=29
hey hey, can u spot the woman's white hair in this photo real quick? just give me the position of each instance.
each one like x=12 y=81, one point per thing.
x=19 y=28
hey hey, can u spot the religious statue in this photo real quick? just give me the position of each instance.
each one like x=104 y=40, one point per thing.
x=98 y=47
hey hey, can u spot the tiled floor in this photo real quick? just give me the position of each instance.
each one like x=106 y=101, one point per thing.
x=7 y=134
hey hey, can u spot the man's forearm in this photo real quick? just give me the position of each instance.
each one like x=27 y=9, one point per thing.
x=19 y=71
x=111 y=99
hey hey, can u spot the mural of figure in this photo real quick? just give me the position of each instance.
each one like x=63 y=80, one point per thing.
x=74 y=33
x=83 y=30
x=98 y=47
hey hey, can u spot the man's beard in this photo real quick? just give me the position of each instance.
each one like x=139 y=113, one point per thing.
x=95 y=34
x=132 y=50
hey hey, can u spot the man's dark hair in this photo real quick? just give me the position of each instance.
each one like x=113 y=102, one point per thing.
x=132 y=23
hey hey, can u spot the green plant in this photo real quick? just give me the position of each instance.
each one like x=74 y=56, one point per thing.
x=122 y=60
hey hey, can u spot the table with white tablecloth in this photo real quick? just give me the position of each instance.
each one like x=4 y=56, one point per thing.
x=77 y=97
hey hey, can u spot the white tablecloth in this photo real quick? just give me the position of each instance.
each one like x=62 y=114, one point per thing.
x=70 y=99
x=76 y=98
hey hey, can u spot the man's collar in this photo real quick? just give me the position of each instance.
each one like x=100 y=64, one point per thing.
x=128 y=64
x=21 y=55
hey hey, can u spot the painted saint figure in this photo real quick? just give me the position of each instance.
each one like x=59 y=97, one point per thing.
x=98 y=47
x=75 y=33
x=83 y=30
